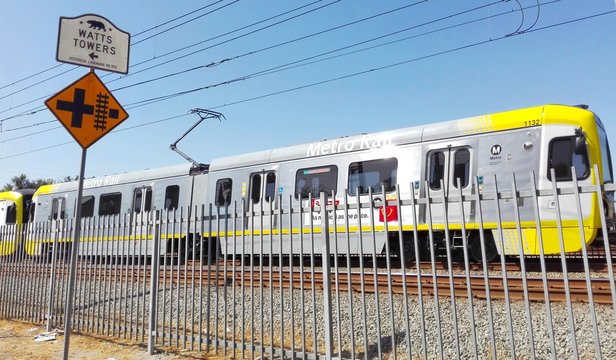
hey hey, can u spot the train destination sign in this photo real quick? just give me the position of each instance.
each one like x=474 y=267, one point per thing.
x=93 y=41
x=87 y=109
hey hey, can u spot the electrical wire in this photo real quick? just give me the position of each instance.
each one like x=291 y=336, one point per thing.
x=174 y=51
x=448 y=51
x=270 y=71
x=223 y=42
x=133 y=44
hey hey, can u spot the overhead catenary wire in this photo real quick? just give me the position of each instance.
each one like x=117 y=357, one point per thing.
x=218 y=36
x=388 y=66
x=303 y=63
x=290 y=65
x=133 y=44
x=284 y=67
x=252 y=32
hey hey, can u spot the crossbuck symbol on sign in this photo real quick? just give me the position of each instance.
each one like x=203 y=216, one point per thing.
x=79 y=108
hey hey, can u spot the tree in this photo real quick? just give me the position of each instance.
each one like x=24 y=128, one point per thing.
x=22 y=182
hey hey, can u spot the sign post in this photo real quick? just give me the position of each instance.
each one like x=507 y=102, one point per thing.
x=86 y=108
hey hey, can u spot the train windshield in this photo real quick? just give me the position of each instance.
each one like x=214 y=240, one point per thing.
x=606 y=156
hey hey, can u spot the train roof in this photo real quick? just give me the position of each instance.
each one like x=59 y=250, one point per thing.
x=546 y=114
x=183 y=169
x=14 y=194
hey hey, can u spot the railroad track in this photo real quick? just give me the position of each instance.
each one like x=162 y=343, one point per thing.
x=218 y=275
x=223 y=274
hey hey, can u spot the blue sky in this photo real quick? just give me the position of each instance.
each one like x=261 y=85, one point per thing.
x=431 y=70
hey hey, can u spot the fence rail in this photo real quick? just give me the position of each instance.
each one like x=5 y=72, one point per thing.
x=280 y=280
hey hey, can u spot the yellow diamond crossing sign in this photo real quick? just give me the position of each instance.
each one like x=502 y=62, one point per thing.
x=87 y=109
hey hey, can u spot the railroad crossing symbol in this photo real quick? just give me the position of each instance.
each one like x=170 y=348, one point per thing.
x=87 y=109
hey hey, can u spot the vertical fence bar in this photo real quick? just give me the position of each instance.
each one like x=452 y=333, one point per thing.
x=234 y=282
x=388 y=254
x=484 y=263
x=591 y=301
x=313 y=277
x=301 y=273
x=362 y=269
x=250 y=218
x=467 y=270
x=375 y=275
x=501 y=237
x=154 y=279
x=291 y=271
x=270 y=259
x=448 y=246
x=516 y=213
x=433 y=267
x=117 y=261
x=167 y=259
x=327 y=281
x=106 y=295
x=349 y=278
x=544 y=273
x=52 y=279
x=193 y=235
x=77 y=323
x=124 y=271
x=563 y=261
x=202 y=263
x=336 y=273
x=89 y=248
x=280 y=218
x=606 y=242
x=242 y=279
x=417 y=245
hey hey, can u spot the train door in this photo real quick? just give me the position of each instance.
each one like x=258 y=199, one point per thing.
x=142 y=200
x=58 y=208
x=445 y=166
x=262 y=197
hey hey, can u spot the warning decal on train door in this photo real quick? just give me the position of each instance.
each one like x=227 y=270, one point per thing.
x=87 y=109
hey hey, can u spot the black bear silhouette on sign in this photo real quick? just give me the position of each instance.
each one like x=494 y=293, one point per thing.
x=96 y=25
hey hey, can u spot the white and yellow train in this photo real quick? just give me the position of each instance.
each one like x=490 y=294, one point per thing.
x=428 y=161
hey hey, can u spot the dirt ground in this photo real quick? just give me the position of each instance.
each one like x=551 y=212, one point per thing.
x=17 y=341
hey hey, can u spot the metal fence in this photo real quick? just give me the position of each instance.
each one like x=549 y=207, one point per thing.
x=279 y=281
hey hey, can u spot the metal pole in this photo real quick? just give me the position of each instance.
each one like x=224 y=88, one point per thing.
x=75 y=251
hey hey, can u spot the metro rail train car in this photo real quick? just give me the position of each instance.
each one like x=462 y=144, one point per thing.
x=130 y=194
x=15 y=207
x=433 y=160
x=429 y=160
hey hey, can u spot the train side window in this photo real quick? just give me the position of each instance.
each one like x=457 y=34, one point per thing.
x=562 y=157
x=31 y=211
x=372 y=174
x=270 y=186
x=87 y=206
x=313 y=181
x=223 y=192
x=172 y=197
x=436 y=170
x=11 y=214
x=109 y=204
x=137 y=200
x=58 y=208
x=255 y=188
x=147 y=205
x=461 y=170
